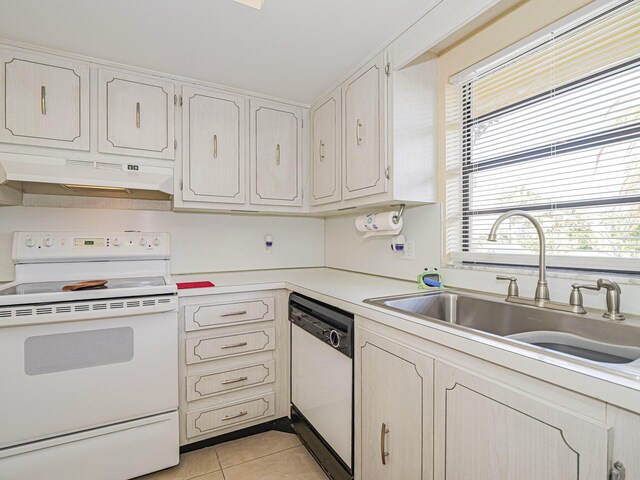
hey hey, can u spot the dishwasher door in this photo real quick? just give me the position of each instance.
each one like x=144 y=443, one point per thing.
x=322 y=389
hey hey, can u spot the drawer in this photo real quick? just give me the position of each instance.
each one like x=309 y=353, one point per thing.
x=212 y=315
x=207 y=384
x=203 y=349
x=211 y=419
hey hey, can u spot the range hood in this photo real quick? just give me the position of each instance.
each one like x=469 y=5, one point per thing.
x=60 y=176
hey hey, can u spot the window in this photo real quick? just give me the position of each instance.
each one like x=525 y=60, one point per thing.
x=554 y=129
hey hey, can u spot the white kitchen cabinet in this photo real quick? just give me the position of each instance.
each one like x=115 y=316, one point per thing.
x=624 y=442
x=44 y=101
x=136 y=115
x=213 y=150
x=326 y=150
x=234 y=362
x=364 y=110
x=394 y=423
x=276 y=154
x=389 y=135
x=485 y=430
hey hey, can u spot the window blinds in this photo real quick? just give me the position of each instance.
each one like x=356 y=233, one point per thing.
x=554 y=131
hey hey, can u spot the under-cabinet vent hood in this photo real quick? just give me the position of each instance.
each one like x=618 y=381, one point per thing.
x=60 y=176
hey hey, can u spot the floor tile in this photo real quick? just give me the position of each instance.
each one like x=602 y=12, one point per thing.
x=210 y=476
x=191 y=465
x=250 y=448
x=292 y=464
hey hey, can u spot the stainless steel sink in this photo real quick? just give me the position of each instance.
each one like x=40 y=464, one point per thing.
x=585 y=336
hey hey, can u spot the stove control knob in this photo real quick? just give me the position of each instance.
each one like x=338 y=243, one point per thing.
x=116 y=242
x=30 y=242
x=156 y=241
x=48 y=242
x=142 y=242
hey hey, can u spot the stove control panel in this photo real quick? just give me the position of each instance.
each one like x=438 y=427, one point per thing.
x=52 y=247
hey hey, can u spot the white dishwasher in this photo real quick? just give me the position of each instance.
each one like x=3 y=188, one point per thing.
x=322 y=382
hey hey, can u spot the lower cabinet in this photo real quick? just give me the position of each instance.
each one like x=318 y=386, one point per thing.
x=393 y=410
x=425 y=411
x=487 y=431
x=234 y=362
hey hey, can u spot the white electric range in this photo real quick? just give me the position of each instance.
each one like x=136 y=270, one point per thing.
x=89 y=378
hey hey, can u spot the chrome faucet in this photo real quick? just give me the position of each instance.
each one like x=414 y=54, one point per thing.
x=542 y=290
x=541 y=298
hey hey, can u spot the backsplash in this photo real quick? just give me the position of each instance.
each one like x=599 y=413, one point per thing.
x=199 y=242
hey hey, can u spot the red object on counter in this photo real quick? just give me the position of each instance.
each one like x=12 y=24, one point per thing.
x=185 y=285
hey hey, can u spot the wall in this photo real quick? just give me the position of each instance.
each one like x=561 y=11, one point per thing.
x=200 y=242
x=345 y=248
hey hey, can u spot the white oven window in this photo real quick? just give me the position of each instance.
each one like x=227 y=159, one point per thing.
x=60 y=352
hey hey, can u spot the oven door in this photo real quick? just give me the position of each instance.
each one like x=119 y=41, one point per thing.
x=59 y=378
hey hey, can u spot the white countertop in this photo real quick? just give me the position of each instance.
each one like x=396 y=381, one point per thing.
x=348 y=290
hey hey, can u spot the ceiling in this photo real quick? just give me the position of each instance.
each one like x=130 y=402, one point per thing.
x=293 y=49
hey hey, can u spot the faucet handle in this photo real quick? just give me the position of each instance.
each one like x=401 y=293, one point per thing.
x=513 y=285
x=576 y=300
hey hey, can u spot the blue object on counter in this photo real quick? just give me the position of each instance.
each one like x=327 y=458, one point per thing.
x=431 y=283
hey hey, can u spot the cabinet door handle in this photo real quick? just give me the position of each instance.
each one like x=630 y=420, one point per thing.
x=278 y=154
x=215 y=146
x=358 y=137
x=234 y=345
x=232 y=314
x=321 y=150
x=235 y=380
x=43 y=100
x=137 y=114
x=229 y=417
x=383 y=453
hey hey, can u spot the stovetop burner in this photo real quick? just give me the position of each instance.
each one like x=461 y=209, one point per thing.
x=55 y=287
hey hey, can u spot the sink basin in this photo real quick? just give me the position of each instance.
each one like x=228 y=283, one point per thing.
x=584 y=336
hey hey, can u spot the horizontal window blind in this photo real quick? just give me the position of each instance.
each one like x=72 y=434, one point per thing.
x=554 y=131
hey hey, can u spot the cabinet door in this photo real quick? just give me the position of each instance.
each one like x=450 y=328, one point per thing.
x=276 y=154
x=625 y=441
x=395 y=408
x=326 y=150
x=213 y=135
x=136 y=115
x=485 y=431
x=45 y=101
x=363 y=103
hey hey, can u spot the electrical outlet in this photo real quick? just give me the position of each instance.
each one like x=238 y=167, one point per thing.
x=409 y=252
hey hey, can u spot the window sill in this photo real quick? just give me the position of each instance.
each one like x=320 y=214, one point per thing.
x=621 y=278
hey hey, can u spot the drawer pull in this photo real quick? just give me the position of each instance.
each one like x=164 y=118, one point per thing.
x=358 y=137
x=232 y=314
x=137 y=114
x=278 y=154
x=215 y=146
x=237 y=415
x=234 y=345
x=235 y=380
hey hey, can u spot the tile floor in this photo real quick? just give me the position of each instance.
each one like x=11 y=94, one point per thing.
x=267 y=456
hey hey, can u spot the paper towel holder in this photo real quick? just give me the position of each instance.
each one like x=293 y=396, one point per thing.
x=398 y=217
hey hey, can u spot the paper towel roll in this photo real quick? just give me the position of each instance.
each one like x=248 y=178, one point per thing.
x=378 y=224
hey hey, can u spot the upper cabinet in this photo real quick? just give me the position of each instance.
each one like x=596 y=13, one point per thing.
x=326 y=149
x=213 y=146
x=276 y=154
x=388 y=137
x=136 y=115
x=363 y=103
x=45 y=101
